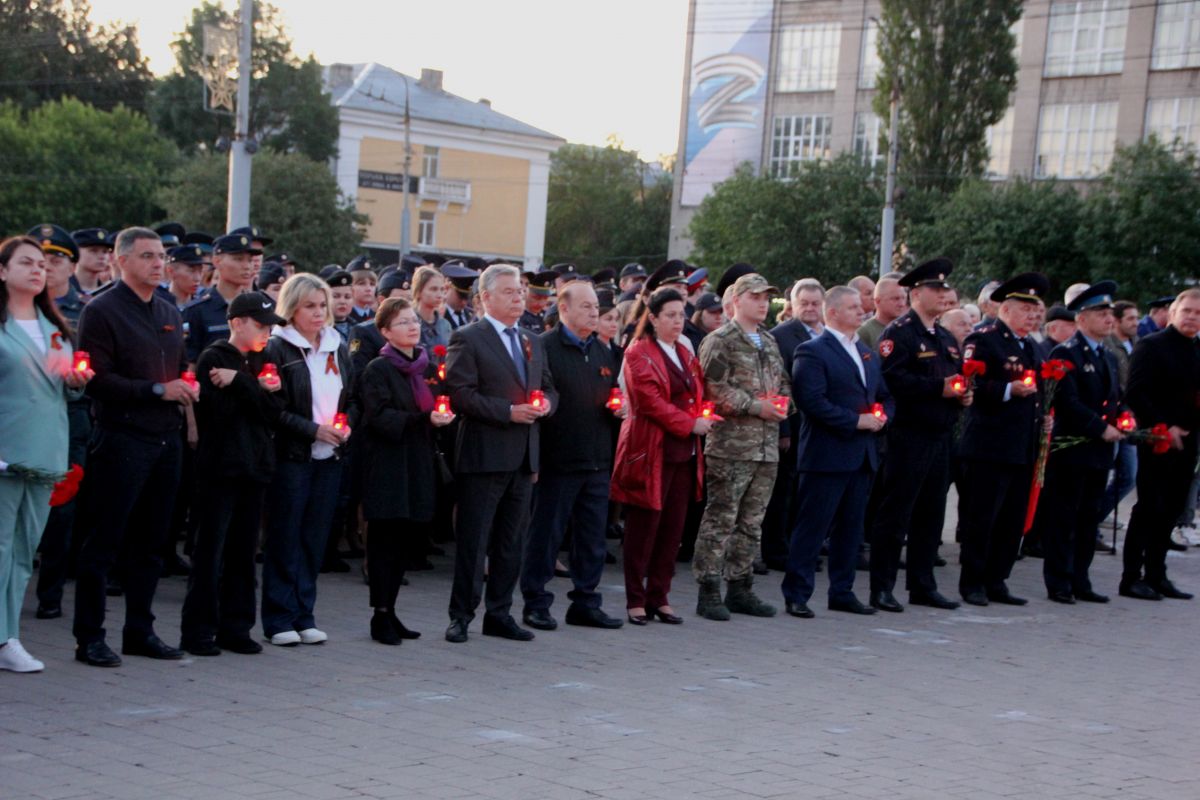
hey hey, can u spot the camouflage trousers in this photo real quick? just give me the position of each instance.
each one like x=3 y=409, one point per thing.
x=738 y=493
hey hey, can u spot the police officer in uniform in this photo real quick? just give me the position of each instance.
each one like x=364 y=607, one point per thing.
x=204 y=320
x=184 y=266
x=537 y=300
x=922 y=365
x=95 y=251
x=1000 y=441
x=458 y=300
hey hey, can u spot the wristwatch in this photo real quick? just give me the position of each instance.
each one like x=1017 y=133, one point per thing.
x=158 y=389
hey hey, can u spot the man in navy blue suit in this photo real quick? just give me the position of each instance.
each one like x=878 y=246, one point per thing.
x=836 y=382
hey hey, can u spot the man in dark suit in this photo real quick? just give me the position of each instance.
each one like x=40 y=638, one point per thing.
x=1000 y=441
x=1164 y=388
x=492 y=371
x=781 y=509
x=836 y=382
x=1086 y=404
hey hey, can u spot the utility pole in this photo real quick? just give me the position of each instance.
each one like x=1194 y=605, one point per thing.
x=888 y=229
x=238 y=206
x=405 y=213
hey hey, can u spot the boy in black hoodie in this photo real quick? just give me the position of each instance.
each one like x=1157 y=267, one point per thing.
x=235 y=460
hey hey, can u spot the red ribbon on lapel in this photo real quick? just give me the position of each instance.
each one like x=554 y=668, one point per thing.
x=331 y=364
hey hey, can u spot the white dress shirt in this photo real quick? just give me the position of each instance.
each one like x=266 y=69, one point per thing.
x=849 y=344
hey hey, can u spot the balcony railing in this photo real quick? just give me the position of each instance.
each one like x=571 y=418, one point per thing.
x=445 y=190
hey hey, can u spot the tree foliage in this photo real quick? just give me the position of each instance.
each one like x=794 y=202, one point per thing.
x=606 y=207
x=78 y=166
x=294 y=199
x=822 y=223
x=51 y=50
x=289 y=109
x=956 y=69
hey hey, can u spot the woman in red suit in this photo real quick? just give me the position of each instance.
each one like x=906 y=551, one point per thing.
x=659 y=463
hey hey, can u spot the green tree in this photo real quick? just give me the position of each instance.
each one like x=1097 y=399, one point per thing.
x=956 y=68
x=606 y=207
x=822 y=223
x=1142 y=222
x=52 y=50
x=72 y=164
x=289 y=109
x=296 y=200
x=995 y=231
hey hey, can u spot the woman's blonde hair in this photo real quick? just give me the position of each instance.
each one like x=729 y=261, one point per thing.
x=296 y=288
x=422 y=276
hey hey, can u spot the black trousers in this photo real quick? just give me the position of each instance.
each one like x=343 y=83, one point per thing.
x=388 y=544
x=580 y=499
x=780 y=519
x=912 y=491
x=56 y=539
x=129 y=494
x=1068 y=513
x=221 y=589
x=493 y=517
x=1162 y=485
x=993 y=516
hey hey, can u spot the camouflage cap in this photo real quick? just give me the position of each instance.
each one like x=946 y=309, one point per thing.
x=753 y=283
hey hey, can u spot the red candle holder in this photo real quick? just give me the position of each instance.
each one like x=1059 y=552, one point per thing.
x=340 y=421
x=442 y=404
x=1028 y=377
x=877 y=411
x=269 y=371
x=780 y=402
x=82 y=362
x=615 y=399
x=537 y=399
x=1126 y=422
x=189 y=378
x=708 y=409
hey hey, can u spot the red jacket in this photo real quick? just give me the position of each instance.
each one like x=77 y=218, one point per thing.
x=637 y=471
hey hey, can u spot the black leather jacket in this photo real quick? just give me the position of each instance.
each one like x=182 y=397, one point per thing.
x=297 y=430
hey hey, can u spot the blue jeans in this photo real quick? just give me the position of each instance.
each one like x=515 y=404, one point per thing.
x=300 y=504
x=1123 y=480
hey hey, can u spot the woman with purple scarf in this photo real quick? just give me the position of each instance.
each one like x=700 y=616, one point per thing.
x=400 y=484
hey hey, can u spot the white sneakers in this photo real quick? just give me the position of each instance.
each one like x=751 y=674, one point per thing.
x=15 y=658
x=292 y=638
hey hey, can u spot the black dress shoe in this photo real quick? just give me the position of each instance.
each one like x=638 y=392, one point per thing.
x=506 y=628
x=760 y=567
x=1178 y=547
x=851 y=605
x=562 y=573
x=662 y=616
x=382 y=629
x=591 y=618
x=207 y=647
x=938 y=561
x=97 y=654
x=457 y=632
x=1168 y=589
x=885 y=601
x=1088 y=596
x=151 y=647
x=335 y=565
x=975 y=598
x=404 y=632
x=798 y=609
x=539 y=619
x=1139 y=590
x=1004 y=597
x=53 y=612
x=243 y=645
x=1062 y=597
x=639 y=620
x=934 y=599
x=113 y=588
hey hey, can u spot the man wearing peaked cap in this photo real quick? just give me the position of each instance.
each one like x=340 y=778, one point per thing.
x=564 y=274
x=673 y=273
x=537 y=300
x=362 y=270
x=205 y=320
x=605 y=279
x=458 y=301
x=1158 y=311
x=270 y=279
x=255 y=233
x=1000 y=440
x=630 y=280
x=171 y=233
x=285 y=260
x=922 y=366
x=341 y=289
x=60 y=253
x=184 y=266
x=95 y=253
x=697 y=284
x=199 y=237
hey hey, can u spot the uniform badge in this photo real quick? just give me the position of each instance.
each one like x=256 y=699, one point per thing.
x=969 y=351
x=354 y=345
x=922 y=347
x=1089 y=368
x=886 y=347
x=47 y=231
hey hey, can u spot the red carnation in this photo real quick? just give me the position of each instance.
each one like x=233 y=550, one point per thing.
x=1056 y=369
x=67 y=488
x=1161 y=437
x=439 y=350
x=973 y=367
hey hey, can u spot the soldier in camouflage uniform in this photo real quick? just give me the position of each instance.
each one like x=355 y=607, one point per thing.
x=744 y=375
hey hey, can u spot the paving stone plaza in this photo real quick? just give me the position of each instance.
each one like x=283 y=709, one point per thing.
x=1044 y=701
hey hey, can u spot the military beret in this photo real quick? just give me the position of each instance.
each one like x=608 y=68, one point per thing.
x=54 y=239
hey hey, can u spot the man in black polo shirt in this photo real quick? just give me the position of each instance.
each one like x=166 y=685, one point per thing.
x=135 y=339
x=576 y=452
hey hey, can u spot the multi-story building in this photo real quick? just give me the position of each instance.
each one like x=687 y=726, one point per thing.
x=775 y=82
x=478 y=179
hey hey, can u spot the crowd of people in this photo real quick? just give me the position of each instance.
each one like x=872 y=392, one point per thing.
x=261 y=412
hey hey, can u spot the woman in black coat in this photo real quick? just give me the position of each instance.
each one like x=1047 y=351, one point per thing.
x=399 y=478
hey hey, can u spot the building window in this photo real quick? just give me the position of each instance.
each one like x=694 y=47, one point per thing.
x=1086 y=37
x=429 y=161
x=798 y=139
x=1076 y=141
x=868 y=138
x=808 y=56
x=1174 y=120
x=1176 y=35
x=868 y=61
x=999 y=142
x=426 y=228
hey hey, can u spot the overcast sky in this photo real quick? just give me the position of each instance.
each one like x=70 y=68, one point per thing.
x=581 y=69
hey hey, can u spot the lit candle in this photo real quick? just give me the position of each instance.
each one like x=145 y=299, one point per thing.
x=708 y=409
x=442 y=404
x=1126 y=422
x=83 y=361
x=958 y=385
x=189 y=378
x=615 y=399
x=442 y=371
x=269 y=371
x=1028 y=377
x=877 y=411
x=340 y=421
x=780 y=402
x=537 y=399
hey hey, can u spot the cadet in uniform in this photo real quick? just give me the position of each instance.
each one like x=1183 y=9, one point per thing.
x=365 y=340
x=259 y=240
x=185 y=264
x=744 y=375
x=1000 y=441
x=920 y=361
x=341 y=289
x=204 y=320
x=537 y=299
x=365 y=283
x=95 y=251
x=458 y=300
